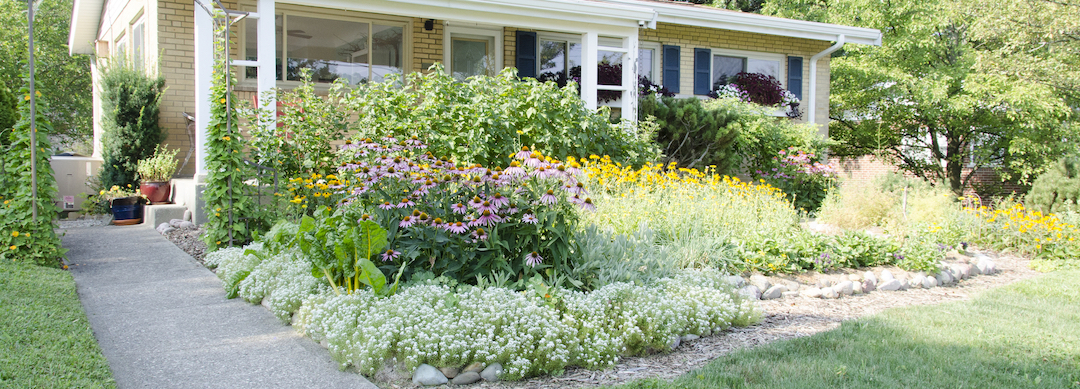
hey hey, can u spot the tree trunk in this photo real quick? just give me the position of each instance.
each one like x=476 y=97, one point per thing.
x=954 y=164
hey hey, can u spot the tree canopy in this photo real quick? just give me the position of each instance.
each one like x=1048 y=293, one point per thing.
x=63 y=80
x=952 y=86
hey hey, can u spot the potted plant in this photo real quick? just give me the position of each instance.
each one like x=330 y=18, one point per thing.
x=126 y=204
x=155 y=173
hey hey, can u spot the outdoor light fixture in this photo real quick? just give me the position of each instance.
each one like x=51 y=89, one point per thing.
x=429 y=24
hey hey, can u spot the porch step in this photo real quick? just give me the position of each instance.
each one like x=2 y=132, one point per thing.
x=162 y=213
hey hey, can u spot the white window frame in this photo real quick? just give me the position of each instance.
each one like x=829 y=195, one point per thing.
x=284 y=10
x=656 y=63
x=472 y=32
x=780 y=58
x=568 y=38
x=138 y=60
x=120 y=45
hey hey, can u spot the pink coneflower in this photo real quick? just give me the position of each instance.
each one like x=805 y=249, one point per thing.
x=487 y=206
x=498 y=200
x=456 y=227
x=347 y=167
x=476 y=202
x=408 y=221
x=459 y=208
x=529 y=218
x=486 y=218
x=515 y=170
x=549 y=198
x=512 y=210
x=579 y=189
x=390 y=255
x=420 y=191
x=363 y=218
x=405 y=203
x=438 y=223
x=479 y=234
x=523 y=154
x=349 y=145
x=588 y=205
x=423 y=218
x=574 y=169
x=360 y=190
x=391 y=172
x=533 y=259
x=386 y=205
x=362 y=153
x=541 y=172
x=533 y=160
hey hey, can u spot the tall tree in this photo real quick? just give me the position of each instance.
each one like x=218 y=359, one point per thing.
x=924 y=98
x=63 y=80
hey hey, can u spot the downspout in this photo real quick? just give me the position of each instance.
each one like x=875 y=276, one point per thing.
x=812 y=115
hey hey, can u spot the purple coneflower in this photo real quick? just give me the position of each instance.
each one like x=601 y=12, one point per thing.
x=390 y=255
x=533 y=259
x=407 y=222
x=479 y=234
x=487 y=206
x=579 y=189
x=349 y=145
x=549 y=198
x=476 y=202
x=499 y=200
x=533 y=160
x=529 y=218
x=486 y=218
x=523 y=154
x=386 y=205
x=459 y=208
x=456 y=227
x=405 y=203
x=363 y=217
x=420 y=191
x=588 y=205
x=514 y=170
x=576 y=200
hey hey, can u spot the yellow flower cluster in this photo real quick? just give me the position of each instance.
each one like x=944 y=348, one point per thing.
x=1043 y=228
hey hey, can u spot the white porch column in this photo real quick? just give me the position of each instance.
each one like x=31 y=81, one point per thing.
x=99 y=132
x=265 y=46
x=204 y=65
x=589 y=42
x=629 y=77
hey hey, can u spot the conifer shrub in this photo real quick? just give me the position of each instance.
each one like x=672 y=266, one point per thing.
x=130 y=102
x=1058 y=189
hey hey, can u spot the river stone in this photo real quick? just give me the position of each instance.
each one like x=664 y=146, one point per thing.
x=187 y=225
x=760 y=282
x=868 y=286
x=751 y=291
x=674 y=342
x=886 y=276
x=812 y=292
x=187 y=215
x=829 y=293
x=775 y=292
x=944 y=278
x=890 y=285
x=175 y=223
x=475 y=367
x=930 y=282
x=450 y=372
x=428 y=375
x=688 y=337
x=871 y=278
x=854 y=277
x=845 y=288
x=918 y=281
x=985 y=265
x=492 y=372
x=466 y=378
x=791 y=293
x=737 y=281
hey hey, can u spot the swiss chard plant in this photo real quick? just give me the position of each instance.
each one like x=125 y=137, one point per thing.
x=341 y=248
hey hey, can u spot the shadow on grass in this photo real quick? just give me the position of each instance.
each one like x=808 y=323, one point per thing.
x=1023 y=336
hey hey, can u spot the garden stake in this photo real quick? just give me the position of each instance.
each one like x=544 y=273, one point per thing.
x=33 y=116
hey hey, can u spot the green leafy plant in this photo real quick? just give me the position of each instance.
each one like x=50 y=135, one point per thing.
x=159 y=167
x=130 y=102
x=803 y=179
x=22 y=237
x=340 y=249
x=9 y=113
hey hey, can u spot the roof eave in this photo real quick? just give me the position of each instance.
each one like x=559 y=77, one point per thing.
x=85 y=20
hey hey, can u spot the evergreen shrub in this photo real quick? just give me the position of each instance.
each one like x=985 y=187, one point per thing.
x=1058 y=189
x=130 y=102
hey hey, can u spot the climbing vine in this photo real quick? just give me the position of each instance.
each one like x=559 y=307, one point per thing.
x=225 y=197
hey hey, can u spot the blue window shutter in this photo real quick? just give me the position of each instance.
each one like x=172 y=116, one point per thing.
x=670 y=67
x=526 y=54
x=794 y=76
x=702 y=71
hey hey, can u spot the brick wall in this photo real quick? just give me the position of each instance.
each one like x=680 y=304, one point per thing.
x=427 y=46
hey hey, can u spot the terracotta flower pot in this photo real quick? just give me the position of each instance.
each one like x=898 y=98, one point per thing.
x=157 y=192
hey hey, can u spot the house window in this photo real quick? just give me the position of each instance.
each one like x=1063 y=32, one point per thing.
x=648 y=65
x=357 y=50
x=121 y=47
x=728 y=63
x=138 y=39
x=473 y=51
x=560 y=60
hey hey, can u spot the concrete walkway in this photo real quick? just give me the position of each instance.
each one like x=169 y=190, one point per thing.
x=162 y=320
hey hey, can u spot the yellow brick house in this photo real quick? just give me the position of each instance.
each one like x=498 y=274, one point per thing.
x=682 y=46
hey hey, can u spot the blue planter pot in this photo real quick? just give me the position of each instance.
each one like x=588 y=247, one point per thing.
x=127 y=211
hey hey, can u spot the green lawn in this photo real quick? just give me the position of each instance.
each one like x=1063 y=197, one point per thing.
x=45 y=339
x=1026 y=335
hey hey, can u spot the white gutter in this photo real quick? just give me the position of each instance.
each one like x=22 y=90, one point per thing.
x=812 y=108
